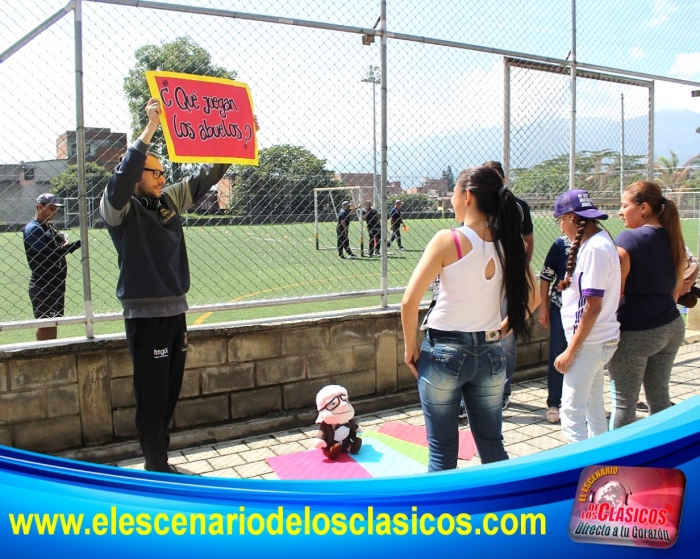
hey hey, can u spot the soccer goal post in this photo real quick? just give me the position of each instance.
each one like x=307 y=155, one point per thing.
x=327 y=204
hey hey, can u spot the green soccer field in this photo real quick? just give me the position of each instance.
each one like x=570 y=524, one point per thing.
x=250 y=263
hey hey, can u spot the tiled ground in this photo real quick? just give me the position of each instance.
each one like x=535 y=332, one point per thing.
x=525 y=429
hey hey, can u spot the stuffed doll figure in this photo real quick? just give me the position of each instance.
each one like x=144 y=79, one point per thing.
x=337 y=426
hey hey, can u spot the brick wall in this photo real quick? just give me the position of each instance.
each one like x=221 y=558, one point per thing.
x=242 y=380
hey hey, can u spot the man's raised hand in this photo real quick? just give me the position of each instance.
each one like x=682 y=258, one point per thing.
x=153 y=110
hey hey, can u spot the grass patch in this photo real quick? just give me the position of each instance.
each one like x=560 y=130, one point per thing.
x=249 y=263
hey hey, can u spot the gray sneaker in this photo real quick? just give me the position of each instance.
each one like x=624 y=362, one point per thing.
x=506 y=402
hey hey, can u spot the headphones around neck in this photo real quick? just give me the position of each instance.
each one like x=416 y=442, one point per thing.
x=148 y=203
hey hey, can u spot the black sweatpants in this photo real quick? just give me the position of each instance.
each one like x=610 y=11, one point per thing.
x=343 y=241
x=395 y=234
x=158 y=349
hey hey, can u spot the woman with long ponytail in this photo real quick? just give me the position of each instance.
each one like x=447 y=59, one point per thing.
x=653 y=257
x=590 y=294
x=461 y=355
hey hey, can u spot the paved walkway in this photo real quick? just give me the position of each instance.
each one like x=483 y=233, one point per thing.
x=525 y=429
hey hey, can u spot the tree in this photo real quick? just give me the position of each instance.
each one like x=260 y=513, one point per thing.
x=181 y=55
x=596 y=171
x=282 y=183
x=415 y=202
x=65 y=185
x=547 y=178
x=673 y=175
x=449 y=177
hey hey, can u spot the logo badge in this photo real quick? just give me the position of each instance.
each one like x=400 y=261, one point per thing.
x=160 y=353
x=624 y=505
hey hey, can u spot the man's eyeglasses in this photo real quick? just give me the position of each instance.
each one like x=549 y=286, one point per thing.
x=157 y=173
x=335 y=402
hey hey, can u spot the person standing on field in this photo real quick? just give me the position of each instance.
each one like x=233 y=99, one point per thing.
x=396 y=220
x=374 y=228
x=342 y=230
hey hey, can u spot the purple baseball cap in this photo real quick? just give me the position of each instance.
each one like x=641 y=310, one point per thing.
x=578 y=202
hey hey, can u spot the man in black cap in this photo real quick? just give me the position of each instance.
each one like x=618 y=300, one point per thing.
x=46 y=249
x=341 y=230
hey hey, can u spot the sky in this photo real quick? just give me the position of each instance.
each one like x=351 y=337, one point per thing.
x=306 y=83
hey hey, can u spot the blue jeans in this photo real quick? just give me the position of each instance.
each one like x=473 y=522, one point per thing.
x=452 y=366
x=557 y=346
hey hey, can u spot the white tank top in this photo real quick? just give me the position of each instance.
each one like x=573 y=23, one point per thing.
x=467 y=301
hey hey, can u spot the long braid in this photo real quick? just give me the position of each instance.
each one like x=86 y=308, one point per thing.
x=573 y=254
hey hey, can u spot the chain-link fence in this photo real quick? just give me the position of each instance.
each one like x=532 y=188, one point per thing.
x=364 y=101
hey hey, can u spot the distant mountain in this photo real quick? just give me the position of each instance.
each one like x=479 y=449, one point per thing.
x=675 y=130
x=412 y=160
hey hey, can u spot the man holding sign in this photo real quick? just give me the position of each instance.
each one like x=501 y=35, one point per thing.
x=143 y=219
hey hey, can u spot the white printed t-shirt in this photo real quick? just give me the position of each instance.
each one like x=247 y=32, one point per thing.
x=597 y=274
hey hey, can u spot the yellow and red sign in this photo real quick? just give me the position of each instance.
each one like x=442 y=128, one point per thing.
x=205 y=119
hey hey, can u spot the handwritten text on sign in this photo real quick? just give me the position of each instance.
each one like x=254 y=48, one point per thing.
x=205 y=119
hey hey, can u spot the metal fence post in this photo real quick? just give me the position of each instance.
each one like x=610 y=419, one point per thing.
x=572 y=144
x=383 y=101
x=622 y=143
x=82 y=182
x=506 y=116
x=651 y=132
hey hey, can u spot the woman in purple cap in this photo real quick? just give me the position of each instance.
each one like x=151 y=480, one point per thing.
x=590 y=296
x=653 y=257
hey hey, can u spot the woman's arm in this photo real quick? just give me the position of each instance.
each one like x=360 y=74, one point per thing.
x=535 y=298
x=533 y=302
x=428 y=268
x=689 y=281
x=590 y=314
x=625 y=265
x=544 y=303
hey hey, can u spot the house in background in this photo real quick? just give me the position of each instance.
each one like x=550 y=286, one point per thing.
x=102 y=146
x=367 y=182
x=437 y=189
x=21 y=183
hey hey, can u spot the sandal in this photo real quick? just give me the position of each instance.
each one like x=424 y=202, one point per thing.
x=552 y=415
